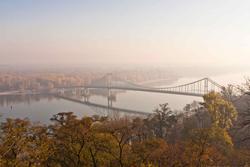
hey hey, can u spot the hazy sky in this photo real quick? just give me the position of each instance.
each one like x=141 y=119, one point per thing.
x=125 y=31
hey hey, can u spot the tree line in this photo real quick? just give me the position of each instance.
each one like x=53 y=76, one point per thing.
x=204 y=135
x=39 y=80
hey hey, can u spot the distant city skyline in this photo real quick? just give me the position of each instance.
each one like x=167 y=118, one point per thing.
x=181 y=32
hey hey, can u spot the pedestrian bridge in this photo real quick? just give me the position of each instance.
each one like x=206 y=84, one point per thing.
x=197 y=88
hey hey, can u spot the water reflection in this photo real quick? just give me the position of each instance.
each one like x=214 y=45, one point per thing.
x=40 y=108
x=10 y=100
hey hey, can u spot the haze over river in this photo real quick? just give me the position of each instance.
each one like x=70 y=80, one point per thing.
x=40 y=108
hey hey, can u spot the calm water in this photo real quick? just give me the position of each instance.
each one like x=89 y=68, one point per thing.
x=38 y=108
x=42 y=108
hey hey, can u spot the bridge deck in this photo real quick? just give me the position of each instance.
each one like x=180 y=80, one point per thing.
x=148 y=90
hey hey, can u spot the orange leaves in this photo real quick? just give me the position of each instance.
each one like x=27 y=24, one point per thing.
x=123 y=142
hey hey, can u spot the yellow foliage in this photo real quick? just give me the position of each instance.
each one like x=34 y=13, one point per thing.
x=222 y=112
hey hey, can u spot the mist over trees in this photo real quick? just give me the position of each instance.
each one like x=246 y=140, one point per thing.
x=40 y=79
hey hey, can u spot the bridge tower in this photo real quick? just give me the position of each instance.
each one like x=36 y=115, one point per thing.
x=206 y=86
x=109 y=80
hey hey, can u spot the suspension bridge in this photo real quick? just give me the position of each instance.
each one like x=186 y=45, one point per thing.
x=110 y=82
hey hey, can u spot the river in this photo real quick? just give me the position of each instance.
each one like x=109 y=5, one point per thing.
x=40 y=108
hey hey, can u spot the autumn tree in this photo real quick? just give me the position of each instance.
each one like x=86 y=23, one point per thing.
x=80 y=142
x=206 y=147
x=222 y=112
x=149 y=152
x=70 y=137
x=122 y=133
x=24 y=144
x=162 y=121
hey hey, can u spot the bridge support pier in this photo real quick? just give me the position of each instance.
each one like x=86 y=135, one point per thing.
x=86 y=94
x=111 y=98
x=110 y=102
x=61 y=92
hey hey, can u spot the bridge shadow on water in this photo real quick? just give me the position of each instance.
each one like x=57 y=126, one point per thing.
x=109 y=109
